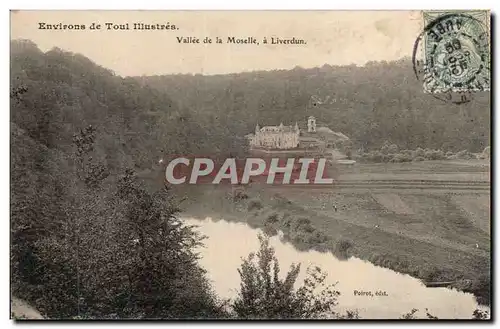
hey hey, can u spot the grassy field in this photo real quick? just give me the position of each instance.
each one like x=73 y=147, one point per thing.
x=457 y=170
x=431 y=167
x=431 y=234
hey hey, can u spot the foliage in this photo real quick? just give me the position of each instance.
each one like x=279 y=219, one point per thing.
x=464 y=155
x=480 y=315
x=254 y=205
x=388 y=153
x=116 y=251
x=264 y=295
x=91 y=236
x=372 y=103
x=343 y=246
x=412 y=315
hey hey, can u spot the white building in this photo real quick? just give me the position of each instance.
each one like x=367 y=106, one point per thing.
x=311 y=124
x=275 y=137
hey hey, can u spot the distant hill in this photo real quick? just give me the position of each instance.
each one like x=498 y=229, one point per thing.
x=370 y=104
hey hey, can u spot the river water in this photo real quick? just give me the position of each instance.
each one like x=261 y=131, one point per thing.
x=228 y=242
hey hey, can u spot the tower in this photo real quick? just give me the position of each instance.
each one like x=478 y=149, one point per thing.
x=257 y=128
x=311 y=124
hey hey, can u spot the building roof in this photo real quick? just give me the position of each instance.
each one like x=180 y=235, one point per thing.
x=279 y=128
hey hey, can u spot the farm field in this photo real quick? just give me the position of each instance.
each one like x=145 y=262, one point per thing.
x=446 y=204
x=475 y=171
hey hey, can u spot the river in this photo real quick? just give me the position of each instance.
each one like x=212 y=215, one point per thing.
x=228 y=242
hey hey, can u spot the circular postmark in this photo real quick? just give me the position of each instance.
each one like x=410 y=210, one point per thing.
x=452 y=56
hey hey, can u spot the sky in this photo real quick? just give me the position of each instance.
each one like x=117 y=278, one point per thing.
x=332 y=37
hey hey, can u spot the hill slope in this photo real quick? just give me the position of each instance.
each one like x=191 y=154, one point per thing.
x=370 y=104
x=79 y=136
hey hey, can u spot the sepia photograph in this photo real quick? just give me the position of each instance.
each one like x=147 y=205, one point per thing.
x=250 y=165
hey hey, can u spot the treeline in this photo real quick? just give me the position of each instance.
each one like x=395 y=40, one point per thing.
x=391 y=153
x=382 y=101
x=137 y=123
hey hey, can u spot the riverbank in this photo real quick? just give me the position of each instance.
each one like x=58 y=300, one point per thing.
x=370 y=291
x=359 y=227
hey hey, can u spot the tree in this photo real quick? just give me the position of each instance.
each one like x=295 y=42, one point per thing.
x=162 y=271
x=90 y=245
x=263 y=294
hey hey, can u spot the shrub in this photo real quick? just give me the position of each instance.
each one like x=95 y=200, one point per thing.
x=439 y=154
x=375 y=156
x=419 y=152
x=389 y=153
x=464 y=155
x=308 y=228
x=434 y=155
x=480 y=315
x=358 y=157
x=393 y=148
x=318 y=237
x=287 y=222
x=386 y=158
x=386 y=148
x=269 y=229
x=303 y=221
x=254 y=205
x=304 y=225
x=401 y=158
x=239 y=195
x=343 y=245
x=285 y=216
x=272 y=218
x=263 y=295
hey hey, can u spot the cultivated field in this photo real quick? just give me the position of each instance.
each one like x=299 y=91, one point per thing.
x=437 y=202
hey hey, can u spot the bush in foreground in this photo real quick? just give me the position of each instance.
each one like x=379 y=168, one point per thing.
x=264 y=295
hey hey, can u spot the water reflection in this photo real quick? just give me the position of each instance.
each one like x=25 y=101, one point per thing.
x=228 y=242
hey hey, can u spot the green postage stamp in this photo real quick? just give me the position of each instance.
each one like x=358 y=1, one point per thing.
x=456 y=51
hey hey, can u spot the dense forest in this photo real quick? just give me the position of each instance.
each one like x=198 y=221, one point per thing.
x=91 y=238
x=377 y=103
